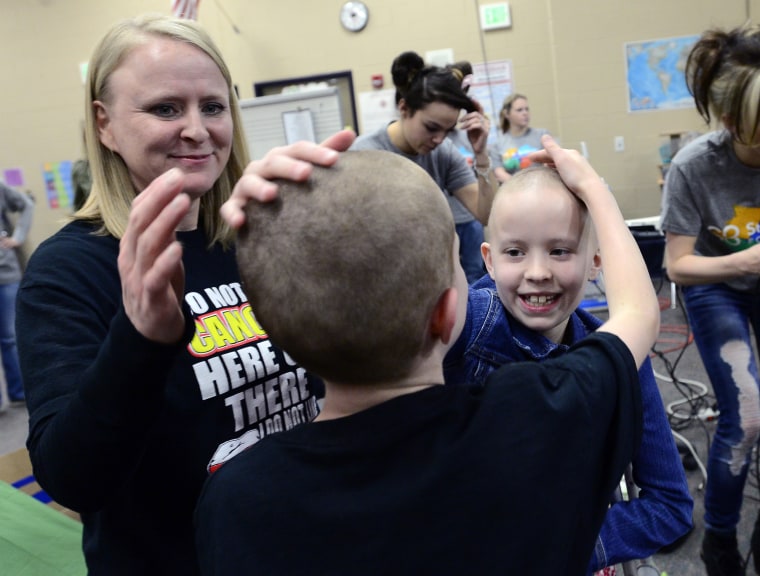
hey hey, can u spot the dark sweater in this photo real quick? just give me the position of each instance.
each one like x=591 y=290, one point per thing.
x=124 y=430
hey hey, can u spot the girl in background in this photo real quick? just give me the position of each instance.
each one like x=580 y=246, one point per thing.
x=13 y=232
x=516 y=137
x=711 y=211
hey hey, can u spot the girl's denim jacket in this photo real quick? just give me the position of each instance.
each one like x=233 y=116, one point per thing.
x=634 y=529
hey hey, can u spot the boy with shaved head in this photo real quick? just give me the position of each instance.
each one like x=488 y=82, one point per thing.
x=355 y=273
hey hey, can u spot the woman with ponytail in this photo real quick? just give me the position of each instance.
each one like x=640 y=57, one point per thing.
x=711 y=217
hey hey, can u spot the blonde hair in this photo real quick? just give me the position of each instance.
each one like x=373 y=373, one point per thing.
x=506 y=108
x=112 y=192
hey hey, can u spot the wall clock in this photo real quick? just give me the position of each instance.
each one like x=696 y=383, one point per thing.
x=354 y=16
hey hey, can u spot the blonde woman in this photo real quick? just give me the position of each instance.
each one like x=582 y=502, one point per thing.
x=145 y=367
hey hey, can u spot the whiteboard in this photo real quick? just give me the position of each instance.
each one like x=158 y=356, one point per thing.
x=267 y=120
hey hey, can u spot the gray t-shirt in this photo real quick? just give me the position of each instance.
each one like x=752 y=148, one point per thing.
x=505 y=142
x=13 y=201
x=445 y=164
x=462 y=144
x=709 y=194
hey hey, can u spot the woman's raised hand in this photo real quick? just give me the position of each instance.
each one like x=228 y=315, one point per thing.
x=293 y=162
x=150 y=260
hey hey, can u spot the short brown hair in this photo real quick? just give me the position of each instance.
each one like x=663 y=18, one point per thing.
x=343 y=271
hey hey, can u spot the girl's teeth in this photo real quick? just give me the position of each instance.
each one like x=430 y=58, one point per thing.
x=538 y=300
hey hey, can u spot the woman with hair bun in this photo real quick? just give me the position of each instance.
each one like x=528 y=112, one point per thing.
x=711 y=217
x=430 y=100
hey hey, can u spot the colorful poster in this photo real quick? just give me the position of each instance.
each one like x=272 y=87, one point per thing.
x=655 y=74
x=58 y=187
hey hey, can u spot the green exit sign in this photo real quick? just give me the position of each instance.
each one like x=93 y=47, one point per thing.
x=495 y=16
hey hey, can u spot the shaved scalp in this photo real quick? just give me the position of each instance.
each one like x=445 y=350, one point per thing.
x=537 y=175
x=343 y=270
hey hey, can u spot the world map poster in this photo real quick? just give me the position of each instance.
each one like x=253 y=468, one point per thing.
x=655 y=74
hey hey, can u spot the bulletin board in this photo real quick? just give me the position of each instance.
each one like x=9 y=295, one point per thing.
x=343 y=81
x=280 y=119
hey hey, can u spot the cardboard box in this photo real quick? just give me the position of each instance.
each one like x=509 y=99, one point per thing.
x=16 y=470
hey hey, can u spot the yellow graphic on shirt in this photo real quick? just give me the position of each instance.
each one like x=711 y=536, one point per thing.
x=742 y=231
x=262 y=387
x=224 y=329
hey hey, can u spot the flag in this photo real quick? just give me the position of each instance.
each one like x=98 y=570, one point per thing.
x=185 y=9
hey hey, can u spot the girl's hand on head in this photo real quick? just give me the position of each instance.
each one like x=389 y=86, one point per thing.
x=293 y=162
x=573 y=168
x=150 y=260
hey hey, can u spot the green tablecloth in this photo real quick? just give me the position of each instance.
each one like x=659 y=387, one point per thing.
x=36 y=540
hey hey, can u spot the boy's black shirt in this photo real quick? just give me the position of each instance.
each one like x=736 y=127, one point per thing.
x=514 y=478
